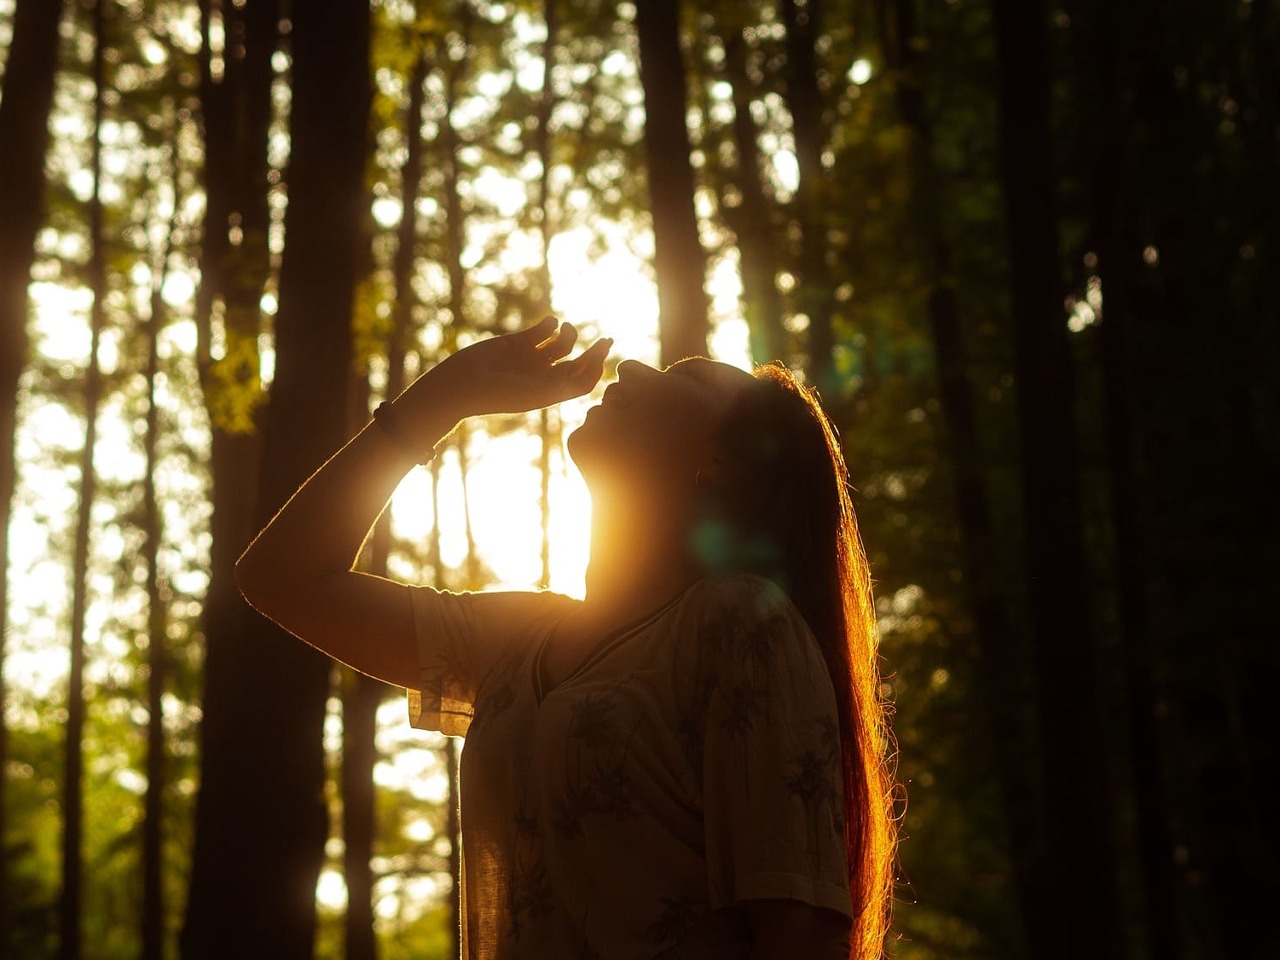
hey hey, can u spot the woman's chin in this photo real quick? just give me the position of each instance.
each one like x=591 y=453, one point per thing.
x=592 y=446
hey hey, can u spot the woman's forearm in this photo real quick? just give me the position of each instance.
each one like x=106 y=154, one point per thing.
x=319 y=531
x=321 y=528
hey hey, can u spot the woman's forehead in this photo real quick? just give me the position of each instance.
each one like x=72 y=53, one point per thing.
x=714 y=372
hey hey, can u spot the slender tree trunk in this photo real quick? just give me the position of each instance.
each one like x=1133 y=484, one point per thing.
x=816 y=296
x=236 y=110
x=153 y=898
x=750 y=221
x=997 y=645
x=679 y=262
x=24 y=130
x=1200 y=414
x=455 y=235
x=454 y=825
x=548 y=435
x=262 y=743
x=1081 y=854
x=70 y=901
x=1119 y=252
x=361 y=694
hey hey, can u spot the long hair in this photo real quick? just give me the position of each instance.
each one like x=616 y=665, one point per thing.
x=791 y=515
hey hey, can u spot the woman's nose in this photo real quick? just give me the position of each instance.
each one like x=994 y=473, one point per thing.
x=632 y=369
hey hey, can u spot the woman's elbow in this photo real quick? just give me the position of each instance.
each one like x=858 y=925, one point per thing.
x=254 y=579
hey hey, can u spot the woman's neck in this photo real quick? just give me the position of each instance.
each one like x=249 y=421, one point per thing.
x=639 y=557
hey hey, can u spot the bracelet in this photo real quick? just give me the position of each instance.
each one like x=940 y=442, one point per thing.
x=384 y=416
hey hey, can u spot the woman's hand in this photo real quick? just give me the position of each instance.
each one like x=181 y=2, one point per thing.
x=516 y=372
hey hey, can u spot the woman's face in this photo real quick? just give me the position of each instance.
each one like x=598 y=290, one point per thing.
x=656 y=426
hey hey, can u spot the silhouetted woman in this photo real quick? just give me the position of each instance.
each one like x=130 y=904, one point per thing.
x=691 y=761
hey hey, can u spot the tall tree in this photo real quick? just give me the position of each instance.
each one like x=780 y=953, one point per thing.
x=235 y=263
x=816 y=297
x=997 y=643
x=750 y=218
x=547 y=433
x=70 y=901
x=1102 y=36
x=361 y=695
x=24 y=132
x=235 y=101
x=265 y=691
x=1078 y=831
x=154 y=920
x=679 y=261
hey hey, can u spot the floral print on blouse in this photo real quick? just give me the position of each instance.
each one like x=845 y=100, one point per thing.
x=689 y=762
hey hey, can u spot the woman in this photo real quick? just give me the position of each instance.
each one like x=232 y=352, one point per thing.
x=691 y=761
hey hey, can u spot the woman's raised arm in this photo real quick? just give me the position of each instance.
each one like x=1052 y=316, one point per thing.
x=297 y=571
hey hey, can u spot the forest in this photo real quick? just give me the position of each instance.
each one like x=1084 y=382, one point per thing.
x=1027 y=251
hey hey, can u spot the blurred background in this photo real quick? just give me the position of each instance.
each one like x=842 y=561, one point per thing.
x=1028 y=251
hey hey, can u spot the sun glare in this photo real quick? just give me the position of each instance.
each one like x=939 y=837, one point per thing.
x=609 y=293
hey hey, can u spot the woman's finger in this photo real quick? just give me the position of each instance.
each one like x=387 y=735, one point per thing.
x=538 y=333
x=585 y=370
x=557 y=347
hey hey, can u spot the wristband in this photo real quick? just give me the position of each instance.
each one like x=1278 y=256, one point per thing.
x=384 y=416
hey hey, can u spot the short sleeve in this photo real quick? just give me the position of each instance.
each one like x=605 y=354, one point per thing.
x=771 y=767
x=460 y=637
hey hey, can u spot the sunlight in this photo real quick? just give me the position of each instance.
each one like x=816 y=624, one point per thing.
x=610 y=292
x=331 y=890
x=603 y=292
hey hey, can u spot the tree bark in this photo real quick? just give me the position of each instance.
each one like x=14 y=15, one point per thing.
x=70 y=900
x=1205 y=412
x=1105 y=31
x=235 y=111
x=750 y=222
x=998 y=647
x=153 y=893
x=816 y=295
x=548 y=435
x=24 y=130
x=1077 y=828
x=361 y=696
x=679 y=262
x=266 y=691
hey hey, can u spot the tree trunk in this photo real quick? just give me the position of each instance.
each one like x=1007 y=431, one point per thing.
x=1119 y=249
x=236 y=110
x=24 y=130
x=750 y=221
x=70 y=901
x=455 y=236
x=548 y=435
x=1205 y=415
x=998 y=648
x=361 y=694
x=262 y=827
x=679 y=262
x=153 y=898
x=1075 y=785
x=816 y=295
